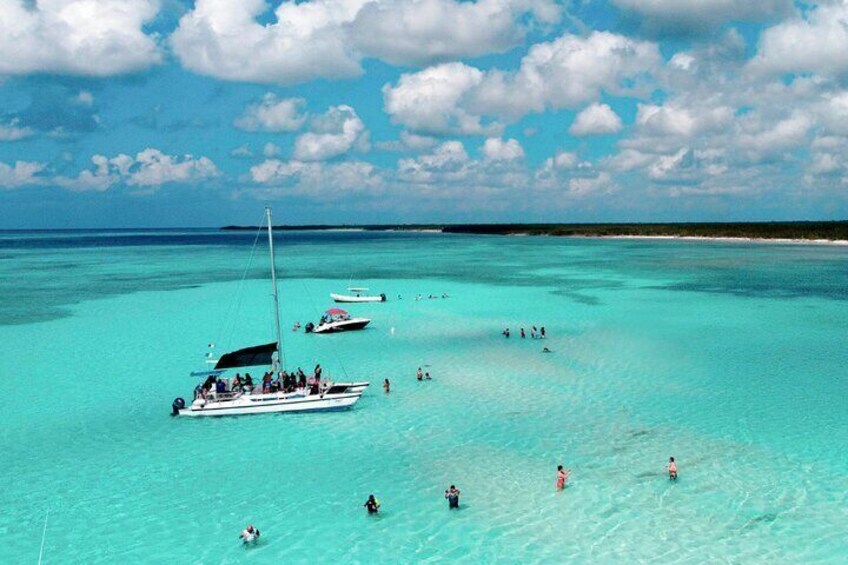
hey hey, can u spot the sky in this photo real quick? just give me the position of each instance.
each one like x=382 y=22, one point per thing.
x=182 y=113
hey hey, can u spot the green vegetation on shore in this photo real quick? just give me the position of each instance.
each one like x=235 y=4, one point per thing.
x=755 y=230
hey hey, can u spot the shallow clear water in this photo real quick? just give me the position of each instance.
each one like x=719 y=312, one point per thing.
x=730 y=357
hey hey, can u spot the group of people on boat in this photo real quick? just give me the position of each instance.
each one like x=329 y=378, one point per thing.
x=534 y=333
x=284 y=382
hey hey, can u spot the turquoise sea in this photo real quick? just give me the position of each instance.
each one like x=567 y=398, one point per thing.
x=729 y=356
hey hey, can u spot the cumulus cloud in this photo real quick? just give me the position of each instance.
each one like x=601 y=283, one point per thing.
x=20 y=174
x=675 y=17
x=449 y=162
x=432 y=101
x=564 y=73
x=315 y=179
x=417 y=32
x=13 y=131
x=496 y=149
x=814 y=41
x=328 y=38
x=273 y=114
x=334 y=133
x=596 y=119
x=149 y=169
x=567 y=72
x=85 y=37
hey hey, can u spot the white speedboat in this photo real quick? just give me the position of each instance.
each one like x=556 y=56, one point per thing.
x=358 y=295
x=219 y=397
x=336 y=320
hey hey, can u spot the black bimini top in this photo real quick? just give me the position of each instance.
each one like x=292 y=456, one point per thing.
x=248 y=357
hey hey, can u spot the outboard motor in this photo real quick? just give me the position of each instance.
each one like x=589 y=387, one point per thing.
x=382 y=297
x=309 y=327
x=177 y=405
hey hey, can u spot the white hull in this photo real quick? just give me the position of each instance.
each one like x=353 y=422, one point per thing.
x=348 y=298
x=276 y=402
x=342 y=326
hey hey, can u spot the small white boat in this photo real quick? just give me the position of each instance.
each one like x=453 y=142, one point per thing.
x=215 y=398
x=358 y=295
x=336 y=320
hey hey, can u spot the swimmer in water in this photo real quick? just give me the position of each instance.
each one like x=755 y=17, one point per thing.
x=672 y=469
x=372 y=504
x=249 y=534
x=562 y=477
x=452 y=494
x=546 y=350
x=386 y=386
x=427 y=377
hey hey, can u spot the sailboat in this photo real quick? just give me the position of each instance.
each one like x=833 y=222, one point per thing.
x=221 y=397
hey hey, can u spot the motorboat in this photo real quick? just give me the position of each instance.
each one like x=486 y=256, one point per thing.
x=220 y=396
x=336 y=320
x=358 y=294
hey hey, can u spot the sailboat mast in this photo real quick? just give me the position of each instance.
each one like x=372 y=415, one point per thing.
x=280 y=365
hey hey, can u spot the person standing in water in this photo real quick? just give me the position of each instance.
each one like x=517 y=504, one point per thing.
x=452 y=494
x=542 y=332
x=562 y=477
x=672 y=469
x=420 y=374
x=249 y=534
x=387 y=386
x=372 y=504
x=523 y=335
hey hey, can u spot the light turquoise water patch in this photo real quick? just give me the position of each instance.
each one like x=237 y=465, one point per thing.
x=729 y=357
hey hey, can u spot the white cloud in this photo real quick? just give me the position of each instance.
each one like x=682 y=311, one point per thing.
x=149 y=168
x=496 y=149
x=13 y=131
x=448 y=162
x=431 y=100
x=585 y=186
x=316 y=179
x=241 y=151
x=815 y=41
x=335 y=133
x=417 y=32
x=566 y=72
x=273 y=114
x=20 y=174
x=596 y=119
x=329 y=38
x=687 y=16
x=270 y=150
x=87 y=37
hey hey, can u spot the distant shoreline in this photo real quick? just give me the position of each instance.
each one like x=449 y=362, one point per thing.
x=832 y=233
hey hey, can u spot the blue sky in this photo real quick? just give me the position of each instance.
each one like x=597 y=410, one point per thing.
x=133 y=113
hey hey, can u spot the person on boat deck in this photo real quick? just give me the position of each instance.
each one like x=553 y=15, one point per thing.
x=236 y=383
x=302 y=381
x=452 y=494
x=266 y=383
x=248 y=382
x=420 y=374
x=372 y=504
x=220 y=387
x=249 y=534
x=199 y=392
x=318 y=371
x=387 y=386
